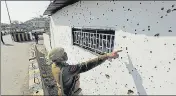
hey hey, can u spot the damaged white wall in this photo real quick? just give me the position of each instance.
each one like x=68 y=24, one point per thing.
x=147 y=64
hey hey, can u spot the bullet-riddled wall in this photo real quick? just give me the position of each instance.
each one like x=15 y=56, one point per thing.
x=146 y=32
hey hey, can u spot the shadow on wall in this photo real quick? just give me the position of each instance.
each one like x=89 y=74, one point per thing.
x=136 y=77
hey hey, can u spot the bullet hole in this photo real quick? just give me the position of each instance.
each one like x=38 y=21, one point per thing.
x=97 y=18
x=156 y=22
x=129 y=10
x=173 y=9
x=121 y=57
x=103 y=14
x=130 y=92
x=127 y=52
x=125 y=85
x=169 y=10
x=72 y=16
x=97 y=3
x=162 y=8
x=166 y=15
x=155 y=67
x=115 y=25
x=107 y=66
x=156 y=34
x=174 y=59
x=132 y=70
x=107 y=76
x=112 y=10
x=140 y=3
x=127 y=19
x=161 y=17
x=148 y=29
x=149 y=78
x=123 y=7
x=173 y=5
x=138 y=24
x=123 y=26
x=169 y=62
x=37 y=91
x=169 y=30
x=126 y=48
x=143 y=30
x=116 y=83
x=129 y=72
x=160 y=86
x=135 y=30
x=150 y=51
x=124 y=36
x=135 y=33
x=140 y=66
x=153 y=87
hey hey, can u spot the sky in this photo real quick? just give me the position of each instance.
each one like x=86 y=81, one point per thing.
x=22 y=10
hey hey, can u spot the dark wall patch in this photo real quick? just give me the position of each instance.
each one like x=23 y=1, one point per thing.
x=107 y=76
x=130 y=92
x=169 y=30
x=156 y=34
x=169 y=10
x=173 y=5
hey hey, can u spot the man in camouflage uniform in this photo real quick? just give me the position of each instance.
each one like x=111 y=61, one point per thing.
x=70 y=73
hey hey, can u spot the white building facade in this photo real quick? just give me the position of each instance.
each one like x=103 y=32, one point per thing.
x=144 y=30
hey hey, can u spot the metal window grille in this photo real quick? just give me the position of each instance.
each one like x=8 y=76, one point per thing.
x=99 y=41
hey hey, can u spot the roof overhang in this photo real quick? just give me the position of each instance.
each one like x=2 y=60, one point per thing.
x=56 y=5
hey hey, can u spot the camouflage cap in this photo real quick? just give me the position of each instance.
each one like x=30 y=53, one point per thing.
x=56 y=54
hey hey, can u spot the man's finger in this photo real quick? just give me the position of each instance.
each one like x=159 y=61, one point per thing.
x=119 y=51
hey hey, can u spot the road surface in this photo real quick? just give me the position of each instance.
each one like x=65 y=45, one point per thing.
x=14 y=67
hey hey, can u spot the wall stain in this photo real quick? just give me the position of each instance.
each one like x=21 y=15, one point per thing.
x=169 y=30
x=169 y=10
x=173 y=5
x=156 y=34
x=130 y=92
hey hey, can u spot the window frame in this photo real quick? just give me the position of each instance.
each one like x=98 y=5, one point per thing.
x=93 y=41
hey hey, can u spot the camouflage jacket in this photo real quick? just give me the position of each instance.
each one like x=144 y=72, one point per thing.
x=70 y=72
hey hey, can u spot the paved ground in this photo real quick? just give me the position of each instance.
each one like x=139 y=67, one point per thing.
x=14 y=67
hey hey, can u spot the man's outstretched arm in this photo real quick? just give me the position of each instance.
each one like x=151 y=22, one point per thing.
x=90 y=64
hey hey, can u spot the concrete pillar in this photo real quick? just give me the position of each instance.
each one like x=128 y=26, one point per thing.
x=23 y=38
x=19 y=38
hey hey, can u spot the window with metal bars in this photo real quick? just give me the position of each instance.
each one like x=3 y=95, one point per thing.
x=99 y=41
